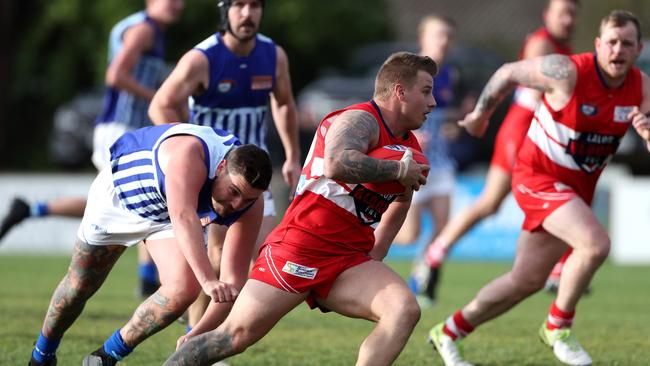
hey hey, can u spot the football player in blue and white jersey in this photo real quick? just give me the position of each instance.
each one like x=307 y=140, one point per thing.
x=227 y=82
x=135 y=69
x=164 y=185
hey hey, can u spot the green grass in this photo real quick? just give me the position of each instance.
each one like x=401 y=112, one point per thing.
x=613 y=323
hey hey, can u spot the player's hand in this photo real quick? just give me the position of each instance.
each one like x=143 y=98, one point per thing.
x=411 y=173
x=182 y=339
x=220 y=291
x=291 y=174
x=474 y=123
x=641 y=123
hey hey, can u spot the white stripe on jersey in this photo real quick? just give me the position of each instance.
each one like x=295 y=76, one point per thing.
x=334 y=192
x=526 y=97
x=552 y=137
x=138 y=155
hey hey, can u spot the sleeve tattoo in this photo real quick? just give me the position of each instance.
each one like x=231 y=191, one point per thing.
x=346 y=147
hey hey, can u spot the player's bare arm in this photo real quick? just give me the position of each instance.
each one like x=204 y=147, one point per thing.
x=283 y=108
x=554 y=75
x=237 y=252
x=352 y=134
x=137 y=40
x=182 y=162
x=189 y=77
x=390 y=224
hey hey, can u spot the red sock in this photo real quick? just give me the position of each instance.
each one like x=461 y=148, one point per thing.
x=558 y=318
x=457 y=327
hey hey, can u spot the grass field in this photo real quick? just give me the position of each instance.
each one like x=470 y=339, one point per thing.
x=613 y=323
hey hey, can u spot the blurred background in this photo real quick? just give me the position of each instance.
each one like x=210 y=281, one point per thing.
x=54 y=58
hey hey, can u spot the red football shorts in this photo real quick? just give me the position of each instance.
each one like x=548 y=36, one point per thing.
x=538 y=195
x=280 y=265
x=510 y=136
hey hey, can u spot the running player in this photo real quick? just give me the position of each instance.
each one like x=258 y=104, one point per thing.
x=554 y=37
x=229 y=80
x=589 y=101
x=135 y=68
x=328 y=248
x=163 y=185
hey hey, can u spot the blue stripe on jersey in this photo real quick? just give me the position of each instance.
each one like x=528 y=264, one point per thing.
x=133 y=178
x=131 y=164
x=237 y=97
x=137 y=192
x=119 y=105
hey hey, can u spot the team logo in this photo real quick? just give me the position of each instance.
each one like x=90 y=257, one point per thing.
x=592 y=151
x=261 y=82
x=621 y=113
x=225 y=86
x=300 y=270
x=588 y=110
x=370 y=205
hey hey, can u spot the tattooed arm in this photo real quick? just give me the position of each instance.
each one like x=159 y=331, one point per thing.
x=354 y=133
x=554 y=75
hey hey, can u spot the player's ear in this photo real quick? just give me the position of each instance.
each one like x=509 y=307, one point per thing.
x=222 y=165
x=399 y=91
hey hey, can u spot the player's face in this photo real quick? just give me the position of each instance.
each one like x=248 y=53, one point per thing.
x=418 y=101
x=231 y=192
x=436 y=39
x=617 y=49
x=560 y=18
x=244 y=17
x=170 y=10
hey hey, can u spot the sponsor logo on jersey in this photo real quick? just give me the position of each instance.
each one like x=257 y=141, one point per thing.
x=299 y=270
x=588 y=110
x=621 y=113
x=225 y=86
x=395 y=147
x=370 y=205
x=261 y=82
x=592 y=151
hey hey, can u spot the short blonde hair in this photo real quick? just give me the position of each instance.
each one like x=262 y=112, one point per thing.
x=620 y=18
x=401 y=68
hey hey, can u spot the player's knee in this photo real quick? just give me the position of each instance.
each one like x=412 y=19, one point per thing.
x=184 y=293
x=241 y=339
x=598 y=250
x=411 y=313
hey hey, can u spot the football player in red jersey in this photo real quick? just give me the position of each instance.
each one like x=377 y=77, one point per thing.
x=328 y=248
x=588 y=103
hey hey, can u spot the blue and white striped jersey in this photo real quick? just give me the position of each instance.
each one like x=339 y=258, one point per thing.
x=237 y=97
x=139 y=182
x=120 y=106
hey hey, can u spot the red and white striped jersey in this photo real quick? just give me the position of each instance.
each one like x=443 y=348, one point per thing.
x=575 y=143
x=526 y=97
x=340 y=217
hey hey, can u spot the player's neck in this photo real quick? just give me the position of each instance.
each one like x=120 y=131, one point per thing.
x=237 y=46
x=391 y=115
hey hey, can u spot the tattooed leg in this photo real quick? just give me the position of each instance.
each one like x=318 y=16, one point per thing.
x=204 y=349
x=153 y=315
x=88 y=269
